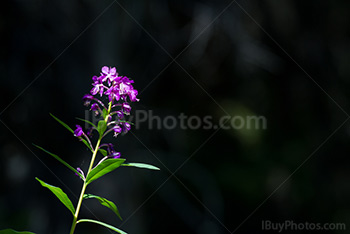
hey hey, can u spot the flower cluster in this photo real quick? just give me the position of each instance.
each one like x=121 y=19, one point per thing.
x=119 y=87
x=118 y=90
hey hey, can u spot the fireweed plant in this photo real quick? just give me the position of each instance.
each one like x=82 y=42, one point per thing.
x=109 y=98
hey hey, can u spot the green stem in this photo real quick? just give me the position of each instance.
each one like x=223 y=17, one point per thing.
x=74 y=223
x=78 y=209
x=84 y=188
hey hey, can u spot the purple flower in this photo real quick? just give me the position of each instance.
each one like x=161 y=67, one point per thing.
x=126 y=127
x=87 y=99
x=78 y=131
x=94 y=107
x=132 y=95
x=126 y=108
x=108 y=74
x=115 y=154
x=117 y=130
x=96 y=79
x=120 y=114
x=111 y=152
x=113 y=93
x=119 y=87
x=124 y=88
x=98 y=86
x=80 y=172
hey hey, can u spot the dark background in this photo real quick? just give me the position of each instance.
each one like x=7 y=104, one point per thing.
x=285 y=60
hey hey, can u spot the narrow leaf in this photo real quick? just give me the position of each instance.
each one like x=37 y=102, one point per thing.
x=103 y=152
x=141 y=165
x=105 y=202
x=86 y=143
x=88 y=122
x=59 y=194
x=62 y=123
x=101 y=127
x=58 y=159
x=71 y=130
x=102 y=224
x=104 y=113
x=103 y=168
x=10 y=231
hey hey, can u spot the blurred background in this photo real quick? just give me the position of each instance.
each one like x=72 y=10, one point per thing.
x=285 y=60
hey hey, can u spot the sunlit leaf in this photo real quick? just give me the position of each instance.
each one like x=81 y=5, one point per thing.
x=62 y=123
x=141 y=165
x=59 y=194
x=105 y=203
x=104 y=113
x=59 y=159
x=103 y=152
x=103 y=168
x=102 y=224
x=101 y=127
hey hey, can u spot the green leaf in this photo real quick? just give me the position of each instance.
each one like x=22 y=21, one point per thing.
x=141 y=165
x=103 y=168
x=71 y=130
x=10 y=231
x=59 y=194
x=102 y=224
x=59 y=159
x=86 y=143
x=105 y=203
x=104 y=113
x=103 y=152
x=62 y=123
x=87 y=121
x=101 y=127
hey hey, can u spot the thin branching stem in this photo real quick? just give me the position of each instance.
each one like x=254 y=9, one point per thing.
x=74 y=223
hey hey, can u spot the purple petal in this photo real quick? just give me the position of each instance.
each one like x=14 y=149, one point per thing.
x=81 y=173
x=94 y=90
x=101 y=91
x=126 y=127
x=120 y=114
x=95 y=79
x=132 y=95
x=115 y=154
x=113 y=71
x=105 y=70
x=78 y=131
x=94 y=107
x=117 y=129
x=126 y=107
x=88 y=97
x=117 y=96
